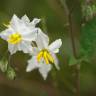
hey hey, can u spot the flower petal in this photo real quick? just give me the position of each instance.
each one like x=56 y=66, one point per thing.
x=25 y=19
x=34 y=22
x=44 y=70
x=15 y=23
x=32 y=64
x=31 y=35
x=42 y=40
x=19 y=25
x=35 y=51
x=12 y=48
x=56 y=62
x=25 y=47
x=5 y=34
x=54 y=47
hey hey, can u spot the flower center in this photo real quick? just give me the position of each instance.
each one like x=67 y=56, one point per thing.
x=46 y=56
x=14 y=38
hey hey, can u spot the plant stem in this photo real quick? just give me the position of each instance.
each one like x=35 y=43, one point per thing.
x=77 y=66
x=72 y=29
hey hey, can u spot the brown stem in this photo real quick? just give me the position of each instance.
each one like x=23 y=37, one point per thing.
x=77 y=66
x=72 y=29
x=77 y=80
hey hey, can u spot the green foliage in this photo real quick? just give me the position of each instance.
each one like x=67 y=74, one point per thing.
x=10 y=73
x=74 y=61
x=7 y=69
x=89 y=11
x=88 y=38
x=3 y=65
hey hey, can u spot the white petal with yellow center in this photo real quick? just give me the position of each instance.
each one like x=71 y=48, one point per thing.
x=19 y=36
x=44 y=55
x=43 y=68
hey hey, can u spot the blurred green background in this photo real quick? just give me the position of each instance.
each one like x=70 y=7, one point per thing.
x=54 y=22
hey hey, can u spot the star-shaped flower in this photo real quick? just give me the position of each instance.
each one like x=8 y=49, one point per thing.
x=44 y=56
x=32 y=24
x=19 y=36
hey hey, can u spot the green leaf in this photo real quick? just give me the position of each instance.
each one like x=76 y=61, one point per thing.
x=88 y=38
x=10 y=73
x=72 y=60
x=3 y=65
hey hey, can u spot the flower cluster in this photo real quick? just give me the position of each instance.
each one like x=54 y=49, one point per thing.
x=21 y=35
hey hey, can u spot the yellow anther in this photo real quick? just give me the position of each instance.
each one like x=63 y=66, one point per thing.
x=46 y=56
x=14 y=38
x=39 y=56
x=50 y=58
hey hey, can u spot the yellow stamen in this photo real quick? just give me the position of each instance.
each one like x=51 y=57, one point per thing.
x=14 y=38
x=50 y=58
x=45 y=55
x=39 y=56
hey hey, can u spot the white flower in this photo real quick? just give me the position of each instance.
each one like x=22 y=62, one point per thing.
x=44 y=55
x=19 y=36
x=32 y=25
x=27 y=21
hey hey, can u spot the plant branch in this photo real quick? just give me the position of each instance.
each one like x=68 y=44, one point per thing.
x=77 y=66
x=72 y=30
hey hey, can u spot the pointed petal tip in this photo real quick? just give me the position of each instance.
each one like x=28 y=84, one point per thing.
x=25 y=15
x=44 y=77
x=14 y=16
x=28 y=69
x=58 y=68
x=60 y=41
x=35 y=21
